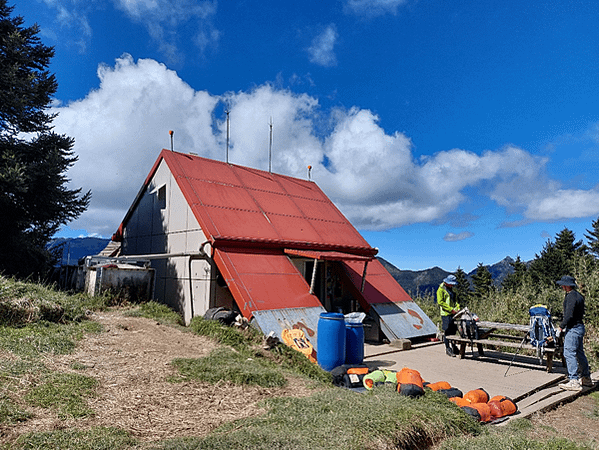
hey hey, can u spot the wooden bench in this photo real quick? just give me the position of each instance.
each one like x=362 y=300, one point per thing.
x=487 y=337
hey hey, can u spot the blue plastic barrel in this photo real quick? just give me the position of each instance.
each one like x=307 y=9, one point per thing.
x=354 y=343
x=331 y=340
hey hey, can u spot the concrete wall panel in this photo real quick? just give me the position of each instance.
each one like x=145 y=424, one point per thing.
x=144 y=212
x=159 y=227
x=177 y=242
x=144 y=245
x=178 y=212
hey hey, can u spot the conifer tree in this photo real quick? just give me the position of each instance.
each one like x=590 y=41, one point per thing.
x=513 y=280
x=549 y=266
x=593 y=238
x=483 y=281
x=34 y=198
x=462 y=289
x=565 y=243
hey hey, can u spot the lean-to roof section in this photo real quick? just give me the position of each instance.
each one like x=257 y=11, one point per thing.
x=400 y=317
x=263 y=280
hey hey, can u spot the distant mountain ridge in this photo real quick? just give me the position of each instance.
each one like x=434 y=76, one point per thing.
x=427 y=281
x=415 y=282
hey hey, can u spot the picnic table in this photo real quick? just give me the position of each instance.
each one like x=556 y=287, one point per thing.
x=489 y=334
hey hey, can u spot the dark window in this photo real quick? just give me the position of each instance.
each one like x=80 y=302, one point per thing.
x=162 y=197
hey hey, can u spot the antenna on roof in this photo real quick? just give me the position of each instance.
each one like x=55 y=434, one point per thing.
x=172 y=133
x=270 y=149
x=227 y=112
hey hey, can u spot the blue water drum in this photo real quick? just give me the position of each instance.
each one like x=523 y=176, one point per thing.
x=354 y=343
x=331 y=340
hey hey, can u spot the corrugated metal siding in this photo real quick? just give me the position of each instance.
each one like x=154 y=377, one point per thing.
x=305 y=319
x=403 y=320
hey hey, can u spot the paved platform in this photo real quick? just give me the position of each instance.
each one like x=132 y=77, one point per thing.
x=524 y=377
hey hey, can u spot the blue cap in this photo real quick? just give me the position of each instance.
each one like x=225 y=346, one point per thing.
x=451 y=279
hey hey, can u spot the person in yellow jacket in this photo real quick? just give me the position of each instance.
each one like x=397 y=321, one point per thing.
x=446 y=299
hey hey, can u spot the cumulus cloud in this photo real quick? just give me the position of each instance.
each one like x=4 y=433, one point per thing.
x=294 y=144
x=453 y=237
x=120 y=127
x=371 y=175
x=373 y=7
x=322 y=49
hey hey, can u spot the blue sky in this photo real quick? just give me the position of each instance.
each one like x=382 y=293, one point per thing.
x=449 y=133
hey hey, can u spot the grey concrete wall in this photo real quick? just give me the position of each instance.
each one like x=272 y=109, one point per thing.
x=163 y=222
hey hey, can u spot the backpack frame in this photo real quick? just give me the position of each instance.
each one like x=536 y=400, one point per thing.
x=541 y=331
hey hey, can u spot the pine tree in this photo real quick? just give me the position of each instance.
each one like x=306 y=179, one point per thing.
x=557 y=258
x=593 y=238
x=565 y=243
x=483 y=281
x=549 y=266
x=462 y=289
x=34 y=199
x=514 y=280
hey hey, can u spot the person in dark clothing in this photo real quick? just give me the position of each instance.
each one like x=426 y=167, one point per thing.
x=573 y=327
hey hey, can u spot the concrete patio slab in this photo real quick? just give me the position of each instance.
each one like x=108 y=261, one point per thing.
x=524 y=376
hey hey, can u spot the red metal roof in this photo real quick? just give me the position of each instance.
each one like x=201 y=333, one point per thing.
x=239 y=206
x=380 y=286
x=263 y=280
x=399 y=315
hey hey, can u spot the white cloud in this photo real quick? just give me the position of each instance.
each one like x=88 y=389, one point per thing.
x=71 y=14
x=294 y=144
x=594 y=133
x=373 y=7
x=120 y=128
x=165 y=21
x=372 y=176
x=322 y=49
x=164 y=18
x=452 y=237
x=564 y=204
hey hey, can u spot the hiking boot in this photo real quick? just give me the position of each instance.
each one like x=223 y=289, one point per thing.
x=572 y=385
x=587 y=382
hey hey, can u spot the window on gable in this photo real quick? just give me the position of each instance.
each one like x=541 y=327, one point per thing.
x=162 y=197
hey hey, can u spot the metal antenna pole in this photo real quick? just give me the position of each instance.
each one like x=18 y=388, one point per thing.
x=270 y=149
x=227 y=111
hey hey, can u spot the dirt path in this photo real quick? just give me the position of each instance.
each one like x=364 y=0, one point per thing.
x=577 y=421
x=131 y=360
